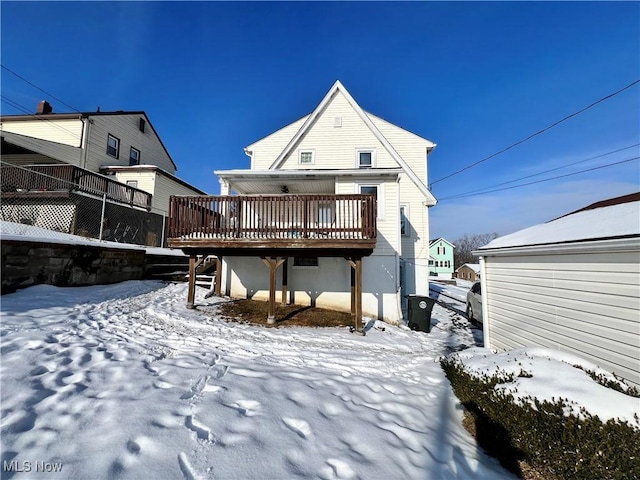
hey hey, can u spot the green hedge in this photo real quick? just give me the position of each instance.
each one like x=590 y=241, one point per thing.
x=554 y=444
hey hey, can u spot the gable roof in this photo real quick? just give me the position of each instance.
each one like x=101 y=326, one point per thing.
x=610 y=219
x=473 y=266
x=441 y=239
x=337 y=86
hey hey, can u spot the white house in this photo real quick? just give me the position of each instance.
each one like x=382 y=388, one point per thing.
x=339 y=149
x=123 y=145
x=572 y=284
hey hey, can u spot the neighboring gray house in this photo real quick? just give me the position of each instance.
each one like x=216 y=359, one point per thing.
x=571 y=284
x=123 y=145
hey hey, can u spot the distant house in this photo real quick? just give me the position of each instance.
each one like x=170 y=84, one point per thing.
x=114 y=154
x=572 y=284
x=339 y=183
x=441 y=258
x=469 y=271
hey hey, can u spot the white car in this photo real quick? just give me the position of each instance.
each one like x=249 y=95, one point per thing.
x=474 y=303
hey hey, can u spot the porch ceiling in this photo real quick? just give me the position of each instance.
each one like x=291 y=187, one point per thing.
x=248 y=182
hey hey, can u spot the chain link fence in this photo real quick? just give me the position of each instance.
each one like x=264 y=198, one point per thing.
x=42 y=197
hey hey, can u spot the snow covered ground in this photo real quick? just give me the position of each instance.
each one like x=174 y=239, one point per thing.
x=122 y=381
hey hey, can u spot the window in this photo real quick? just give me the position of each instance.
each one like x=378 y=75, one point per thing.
x=113 y=146
x=365 y=158
x=431 y=262
x=134 y=156
x=325 y=214
x=132 y=183
x=404 y=226
x=377 y=192
x=141 y=125
x=305 y=261
x=307 y=157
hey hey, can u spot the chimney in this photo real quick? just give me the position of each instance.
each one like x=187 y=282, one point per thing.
x=44 y=108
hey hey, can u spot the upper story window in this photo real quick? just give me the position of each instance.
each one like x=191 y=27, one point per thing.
x=365 y=158
x=132 y=183
x=307 y=157
x=134 y=156
x=113 y=146
x=141 y=125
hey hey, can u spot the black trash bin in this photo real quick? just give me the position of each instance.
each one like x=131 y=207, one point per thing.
x=420 y=312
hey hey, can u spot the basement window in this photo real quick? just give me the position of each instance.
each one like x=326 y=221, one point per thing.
x=305 y=261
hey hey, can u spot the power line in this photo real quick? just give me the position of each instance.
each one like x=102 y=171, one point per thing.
x=36 y=86
x=542 y=172
x=543 y=180
x=539 y=132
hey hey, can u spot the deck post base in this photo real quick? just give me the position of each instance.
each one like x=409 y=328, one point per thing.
x=271 y=320
x=191 y=306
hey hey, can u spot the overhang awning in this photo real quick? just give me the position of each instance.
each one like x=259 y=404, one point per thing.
x=249 y=182
x=57 y=151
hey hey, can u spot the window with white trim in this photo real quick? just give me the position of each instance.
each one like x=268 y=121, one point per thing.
x=132 y=183
x=365 y=158
x=113 y=146
x=307 y=157
x=134 y=156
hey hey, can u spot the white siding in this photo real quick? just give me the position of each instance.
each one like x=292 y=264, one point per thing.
x=327 y=285
x=66 y=131
x=125 y=128
x=266 y=150
x=584 y=303
x=335 y=147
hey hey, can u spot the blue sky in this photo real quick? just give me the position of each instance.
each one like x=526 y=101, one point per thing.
x=473 y=77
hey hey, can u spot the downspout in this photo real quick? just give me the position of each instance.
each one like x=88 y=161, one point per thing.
x=84 y=141
x=486 y=330
x=399 y=254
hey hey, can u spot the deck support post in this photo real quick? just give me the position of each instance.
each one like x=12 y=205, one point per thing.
x=285 y=281
x=273 y=264
x=218 y=285
x=356 y=294
x=192 y=281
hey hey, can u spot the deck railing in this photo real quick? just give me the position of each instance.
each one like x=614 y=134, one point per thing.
x=273 y=217
x=23 y=179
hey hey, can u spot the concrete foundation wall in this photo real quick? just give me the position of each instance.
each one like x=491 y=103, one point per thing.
x=27 y=263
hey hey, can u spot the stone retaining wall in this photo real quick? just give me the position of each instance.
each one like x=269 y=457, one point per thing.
x=26 y=263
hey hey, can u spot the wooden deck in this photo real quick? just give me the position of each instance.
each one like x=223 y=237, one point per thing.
x=274 y=228
x=321 y=224
x=55 y=180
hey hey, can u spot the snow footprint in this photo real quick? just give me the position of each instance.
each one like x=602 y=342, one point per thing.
x=337 y=469
x=196 y=388
x=202 y=431
x=297 y=426
x=248 y=408
x=186 y=468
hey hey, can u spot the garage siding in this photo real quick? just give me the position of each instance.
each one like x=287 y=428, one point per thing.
x=586 y=304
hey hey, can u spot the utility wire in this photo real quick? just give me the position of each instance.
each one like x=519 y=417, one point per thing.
x=542 y=172
x=36 y=86
x=543 y=180
x=539 y=132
